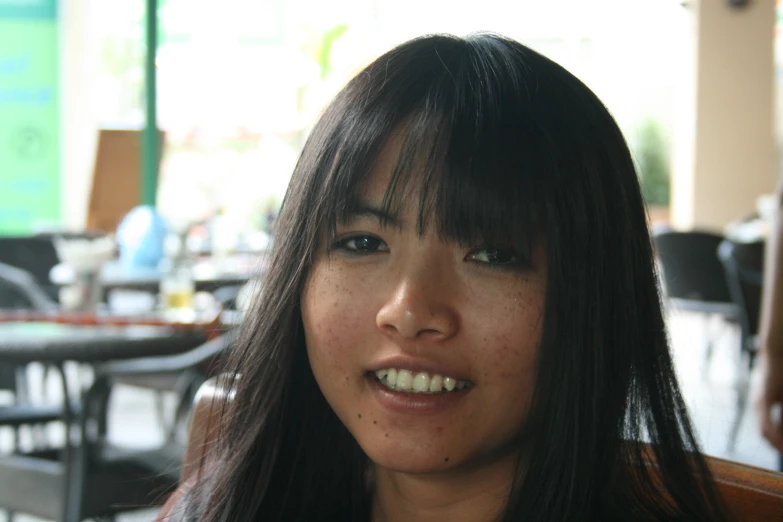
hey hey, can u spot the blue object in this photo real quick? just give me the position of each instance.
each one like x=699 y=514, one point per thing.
x=141 y=236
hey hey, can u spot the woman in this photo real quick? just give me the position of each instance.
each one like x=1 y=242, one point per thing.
x=461 y=319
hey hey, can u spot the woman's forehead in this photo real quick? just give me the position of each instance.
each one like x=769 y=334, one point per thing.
x=376 y=183
x=384 y=188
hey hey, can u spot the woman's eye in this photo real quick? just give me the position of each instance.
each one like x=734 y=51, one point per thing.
x=361 y=244
x=495 y=256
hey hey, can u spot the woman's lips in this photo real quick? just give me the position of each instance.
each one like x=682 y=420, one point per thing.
x=418 y=365
x=410 y=402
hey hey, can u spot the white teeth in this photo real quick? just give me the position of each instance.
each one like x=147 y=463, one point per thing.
x=404 y=380
x=391 y=378
x=420 y=382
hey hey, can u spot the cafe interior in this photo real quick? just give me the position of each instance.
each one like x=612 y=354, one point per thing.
x=145 y=150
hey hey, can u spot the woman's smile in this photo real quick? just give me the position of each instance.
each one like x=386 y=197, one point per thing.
x=409 y=385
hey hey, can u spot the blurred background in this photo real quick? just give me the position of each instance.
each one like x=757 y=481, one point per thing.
x=239 y=87
x=145 y=148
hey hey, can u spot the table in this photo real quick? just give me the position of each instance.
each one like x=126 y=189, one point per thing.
x=748 y=231
x=26 y=342
x=206 y=276
x=755 y=227
x=58 y=486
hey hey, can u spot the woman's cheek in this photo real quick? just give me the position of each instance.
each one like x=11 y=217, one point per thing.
x=333 y=322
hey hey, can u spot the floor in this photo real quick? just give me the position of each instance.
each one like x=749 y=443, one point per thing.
x=709 y=392
x=707 y=388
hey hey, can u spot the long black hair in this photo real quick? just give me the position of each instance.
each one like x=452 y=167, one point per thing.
x=505 y=145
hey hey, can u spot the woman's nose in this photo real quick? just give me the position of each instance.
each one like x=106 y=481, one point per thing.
x=420 y=306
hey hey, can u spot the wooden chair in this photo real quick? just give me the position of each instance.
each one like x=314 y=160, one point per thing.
x=210 y=400
x=752 y=494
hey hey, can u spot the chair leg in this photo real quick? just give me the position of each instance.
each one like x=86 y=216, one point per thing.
x=160 y=408
x=22 y=386
x=16 y=439
x=709 y=346
x=742 y=389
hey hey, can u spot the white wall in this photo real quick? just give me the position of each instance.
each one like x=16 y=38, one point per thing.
x=78 y=119
x=727 y=156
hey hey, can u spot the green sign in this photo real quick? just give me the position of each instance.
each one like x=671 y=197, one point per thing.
x=29 y=116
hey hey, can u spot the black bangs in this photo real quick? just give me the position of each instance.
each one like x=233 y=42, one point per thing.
x=457 y=121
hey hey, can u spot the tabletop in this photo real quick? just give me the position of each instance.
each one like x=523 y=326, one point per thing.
x=23 y=342
x=207 y=275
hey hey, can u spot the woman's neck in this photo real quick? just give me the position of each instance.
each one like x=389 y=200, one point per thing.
x=470 y=496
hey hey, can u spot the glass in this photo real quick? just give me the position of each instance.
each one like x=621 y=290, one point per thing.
x=177 y=289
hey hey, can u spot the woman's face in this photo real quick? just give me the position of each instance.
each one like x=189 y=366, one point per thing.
x=425 y=349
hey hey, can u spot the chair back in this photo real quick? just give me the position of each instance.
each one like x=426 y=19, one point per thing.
x=35 y=254
x=691 y=269
x=743 y=264
x=752 y=494
x=20 y=290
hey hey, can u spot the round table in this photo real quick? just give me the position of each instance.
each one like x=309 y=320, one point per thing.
x=23 y=342
x=62 y=481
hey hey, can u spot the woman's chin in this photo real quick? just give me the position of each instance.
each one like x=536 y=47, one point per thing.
x=425 y=466
x=442 y=459
x=404 y=459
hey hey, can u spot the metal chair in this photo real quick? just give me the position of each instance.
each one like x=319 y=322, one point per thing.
x=181 y=384
x=693 y=277
x=692 y=273
x=34 y=254
x=18 y=289
x=181 y=374
x=744 y=268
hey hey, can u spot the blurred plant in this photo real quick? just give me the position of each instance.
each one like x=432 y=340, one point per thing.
x=120 y=54
x=652 y=163
x=319 y=46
